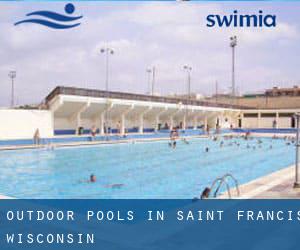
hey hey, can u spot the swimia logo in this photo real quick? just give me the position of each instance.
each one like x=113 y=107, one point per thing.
x=52 y=19
x=242 y=20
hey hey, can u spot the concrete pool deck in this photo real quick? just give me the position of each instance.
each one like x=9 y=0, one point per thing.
x=5 y=197
x=277 y=185
x=102 y=142
x=130 y=140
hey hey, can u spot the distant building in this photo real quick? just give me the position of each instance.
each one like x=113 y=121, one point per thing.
x=193 y=96
x=275 y=98
x=274 y=92
x=218 y=96
x=253 y=95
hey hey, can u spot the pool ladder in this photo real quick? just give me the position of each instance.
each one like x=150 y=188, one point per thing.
x=223 y=180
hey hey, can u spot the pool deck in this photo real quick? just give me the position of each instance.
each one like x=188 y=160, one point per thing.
x=277 y=185
x=5 y=197
x=130 y=140
x=98 y=142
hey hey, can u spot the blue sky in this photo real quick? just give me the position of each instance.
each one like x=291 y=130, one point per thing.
x=167 y=35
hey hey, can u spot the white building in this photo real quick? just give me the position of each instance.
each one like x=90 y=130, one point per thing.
x=74 y=108
x=70 y=109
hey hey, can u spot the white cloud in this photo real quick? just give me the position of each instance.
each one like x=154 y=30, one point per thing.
x=167 y=35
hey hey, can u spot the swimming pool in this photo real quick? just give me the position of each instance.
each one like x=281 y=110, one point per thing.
x=147 y=170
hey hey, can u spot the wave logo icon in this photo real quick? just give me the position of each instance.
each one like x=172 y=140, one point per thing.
x=53 y=20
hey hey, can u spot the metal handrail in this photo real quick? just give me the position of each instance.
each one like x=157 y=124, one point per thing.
x=235 y=182
x=220 y=181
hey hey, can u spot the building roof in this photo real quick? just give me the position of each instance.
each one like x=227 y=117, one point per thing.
x=60 y=90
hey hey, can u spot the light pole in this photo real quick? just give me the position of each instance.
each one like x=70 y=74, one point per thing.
x=153 y=79
x=149 y=72
x=107 y=51
x=153 y=72
x=233 y=44
x=188 y=69
x=217 y=91
x=12 y=75
x=297 y=181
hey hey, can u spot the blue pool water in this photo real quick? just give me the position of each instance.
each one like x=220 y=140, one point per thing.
x=147 y=170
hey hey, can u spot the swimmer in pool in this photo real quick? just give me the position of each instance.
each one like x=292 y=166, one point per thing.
x=185 y=141
x=205 y=193
x=207 y=149
x=92 y=178
x=117 y=185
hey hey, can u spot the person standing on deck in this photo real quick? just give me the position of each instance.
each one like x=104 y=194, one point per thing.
x=36 y=137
